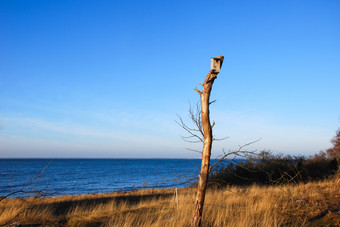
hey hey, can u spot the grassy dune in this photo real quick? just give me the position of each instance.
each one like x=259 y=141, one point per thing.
x=311 y=204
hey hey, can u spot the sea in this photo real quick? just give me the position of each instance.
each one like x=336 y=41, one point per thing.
x=46 y=177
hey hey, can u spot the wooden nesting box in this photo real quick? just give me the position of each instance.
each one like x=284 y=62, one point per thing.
x=215 y=65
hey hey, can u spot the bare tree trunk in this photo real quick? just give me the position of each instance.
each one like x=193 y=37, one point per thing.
x=207 y=143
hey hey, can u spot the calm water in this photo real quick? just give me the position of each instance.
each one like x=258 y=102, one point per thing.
x=83 y=176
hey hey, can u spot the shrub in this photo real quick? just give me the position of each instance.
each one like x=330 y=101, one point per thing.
x=268 y=169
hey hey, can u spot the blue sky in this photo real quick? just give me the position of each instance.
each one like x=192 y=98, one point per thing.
x=107 y=78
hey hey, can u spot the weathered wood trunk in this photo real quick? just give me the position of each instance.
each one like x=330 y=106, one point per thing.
x=207 y=144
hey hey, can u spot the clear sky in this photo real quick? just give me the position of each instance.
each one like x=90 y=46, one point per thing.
x=107 y=78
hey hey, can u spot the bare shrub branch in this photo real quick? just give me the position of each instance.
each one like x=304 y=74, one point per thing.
x=240 y=153
x=23 y=189
x=196 y=133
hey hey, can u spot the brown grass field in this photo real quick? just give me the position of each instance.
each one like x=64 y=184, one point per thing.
x=311 y=204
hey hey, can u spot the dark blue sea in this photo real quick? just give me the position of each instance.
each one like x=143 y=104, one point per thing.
x=84 y=176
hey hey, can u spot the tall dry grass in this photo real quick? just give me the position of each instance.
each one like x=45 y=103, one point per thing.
x=311 y=204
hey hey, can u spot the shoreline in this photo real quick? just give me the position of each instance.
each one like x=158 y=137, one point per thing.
x=308 y=204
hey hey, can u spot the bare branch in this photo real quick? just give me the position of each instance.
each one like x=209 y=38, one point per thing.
x=198 y=167
x=194 y=150
x=181 y=123
x=220 y=139
x=186 y=139
x=195 y=116
x=199 y=92
x=192 y=135
x=22 y=189
x=179 y=176
x=247 y=144
x=238 y=153
x=235 y=153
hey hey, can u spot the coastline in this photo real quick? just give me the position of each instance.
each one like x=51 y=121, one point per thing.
x=310 y=204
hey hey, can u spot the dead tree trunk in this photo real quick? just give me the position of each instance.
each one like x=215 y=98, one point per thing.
x=216 y=64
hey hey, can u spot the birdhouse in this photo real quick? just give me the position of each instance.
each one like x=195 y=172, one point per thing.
x=215 y=65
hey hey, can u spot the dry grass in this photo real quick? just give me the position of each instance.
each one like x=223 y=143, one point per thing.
x=312 y=204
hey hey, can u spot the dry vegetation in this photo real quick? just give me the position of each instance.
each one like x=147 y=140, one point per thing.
x=311 y=204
